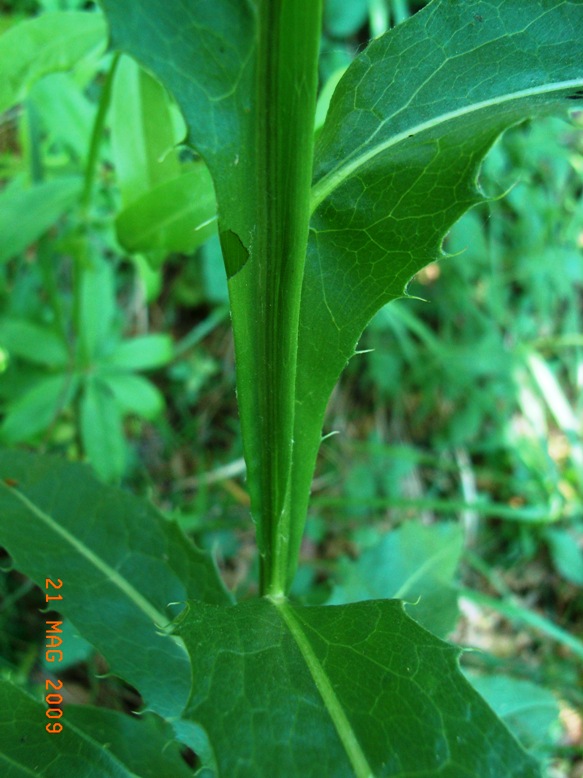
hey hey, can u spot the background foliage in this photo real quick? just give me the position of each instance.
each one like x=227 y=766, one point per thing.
x=458 y=427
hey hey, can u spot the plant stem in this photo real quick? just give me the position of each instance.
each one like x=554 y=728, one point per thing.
x=286 y=84
x=97 y=135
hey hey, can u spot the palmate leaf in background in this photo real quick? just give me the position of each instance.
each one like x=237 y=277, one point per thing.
x=121 y=565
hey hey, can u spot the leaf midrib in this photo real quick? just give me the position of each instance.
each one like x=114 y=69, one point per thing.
x=109 y=572
x=336 y=177
x=344 y=729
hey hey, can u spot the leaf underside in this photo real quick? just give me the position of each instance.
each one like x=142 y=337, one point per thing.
x=397 y=162
x=353 y=690
x=121 y=563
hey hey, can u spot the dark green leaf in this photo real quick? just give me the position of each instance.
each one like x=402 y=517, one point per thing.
x=353 y=690
x=245 y=76
x=145 y=745
x=121 y=565
x=396 y=165
x=26 y=748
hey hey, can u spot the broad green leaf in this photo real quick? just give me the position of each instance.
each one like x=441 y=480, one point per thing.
x=102 y=431
x=135 y=394
x=26 y=748
x=33 y=342
x=353 y=690
x=121 y=563
x=416 y=563
x=177 y=215
x=396 y=165
x=142 y=353
x=27 y=213
x=38 y=408
x=143 y=134
x=52 y=42
x=145 y=745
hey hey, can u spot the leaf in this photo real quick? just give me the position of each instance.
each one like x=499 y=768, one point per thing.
x=415 y=563
x=396 y=165
x=353 y=690
x=135 y=394
x=177 y=215
x=143 y=135
x=145 y=745
x=27 y=213
x=21 y=338
x=566 y=553
x=142 y=353
x=49 y=43
x=121 y=564
x=37 y=408
x=97 y=305
x=102 y=431
x=65 y=112
x=529 y=711
x=26 y=748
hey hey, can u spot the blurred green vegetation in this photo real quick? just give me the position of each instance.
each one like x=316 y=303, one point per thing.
x=454 y=478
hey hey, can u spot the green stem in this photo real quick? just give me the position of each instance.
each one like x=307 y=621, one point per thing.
x=97 y=135
x=81 y=253
x=286 y=83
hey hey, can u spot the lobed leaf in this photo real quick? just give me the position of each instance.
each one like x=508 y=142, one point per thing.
x=396 y=164
x=122 y=565
x=354 y=690
x=26 y=748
